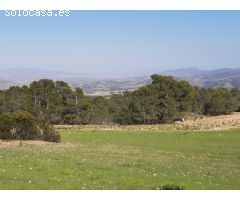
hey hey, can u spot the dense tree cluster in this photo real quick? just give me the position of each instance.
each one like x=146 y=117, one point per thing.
x=164 y=100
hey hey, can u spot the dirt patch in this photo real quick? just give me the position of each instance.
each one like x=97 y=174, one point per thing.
x=119 y=127
x=221 y=122
x=18 y=142
x=38 y=143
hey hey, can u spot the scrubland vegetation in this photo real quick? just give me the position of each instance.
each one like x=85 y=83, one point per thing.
x=162 y=101
x=127 y=141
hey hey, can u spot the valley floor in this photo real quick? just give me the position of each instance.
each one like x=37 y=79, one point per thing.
x=103 y=159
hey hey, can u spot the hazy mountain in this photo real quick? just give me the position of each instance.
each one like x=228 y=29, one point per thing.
x=109 y=86
x=26 y=74
x=91 y=85
x=223 y=77
x=184 y=72
x=4 y=84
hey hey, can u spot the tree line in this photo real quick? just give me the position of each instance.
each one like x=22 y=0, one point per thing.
x=162 y=101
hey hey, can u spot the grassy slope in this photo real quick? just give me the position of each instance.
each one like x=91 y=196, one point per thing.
x=124 y=160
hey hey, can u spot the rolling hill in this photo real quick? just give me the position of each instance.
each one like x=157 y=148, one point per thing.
x=222 y=77
x=92 y=85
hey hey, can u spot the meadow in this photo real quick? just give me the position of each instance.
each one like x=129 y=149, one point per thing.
x=107 y=159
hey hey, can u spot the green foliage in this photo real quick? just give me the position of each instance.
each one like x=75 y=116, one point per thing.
x=162 y=101
x=48 y=132
x=235 y=93
x=159 y=102
x=7 y=125
x=172 y=187
x=23 y=126
x=220 y=102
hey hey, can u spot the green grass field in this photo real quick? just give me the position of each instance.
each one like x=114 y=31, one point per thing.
x=124 y=160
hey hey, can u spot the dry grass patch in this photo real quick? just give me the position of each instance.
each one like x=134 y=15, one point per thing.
x=19 y=142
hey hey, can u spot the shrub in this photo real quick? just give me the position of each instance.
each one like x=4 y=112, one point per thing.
x=6 y=122
x=220 y=102
x=6 y=135
x=22 y=125
x=51 y=135
x=172 y=187
x=6 y=126
x=25 y=126
x=48 y=132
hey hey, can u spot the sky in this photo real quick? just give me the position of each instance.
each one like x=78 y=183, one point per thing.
x=111 y=43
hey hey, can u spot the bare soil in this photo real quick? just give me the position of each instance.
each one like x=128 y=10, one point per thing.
x=220 y=122
x=18 y=142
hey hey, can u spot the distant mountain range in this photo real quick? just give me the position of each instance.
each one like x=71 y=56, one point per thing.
x=92 y=85
x=223 y=77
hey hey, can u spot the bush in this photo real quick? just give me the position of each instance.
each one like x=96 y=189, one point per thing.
x=23 y=126
x=220 y=102
x=6 y=122
x=6 y=135
x=170 y=187
x=52 y=136
x=48 y=132
x=7 y=125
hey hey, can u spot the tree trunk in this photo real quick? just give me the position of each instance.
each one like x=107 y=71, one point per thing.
x=35 y=101
x=76 y=99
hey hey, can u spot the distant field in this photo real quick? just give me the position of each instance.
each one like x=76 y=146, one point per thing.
x=124 y=160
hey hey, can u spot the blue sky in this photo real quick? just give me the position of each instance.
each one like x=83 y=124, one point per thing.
x=122 y=42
